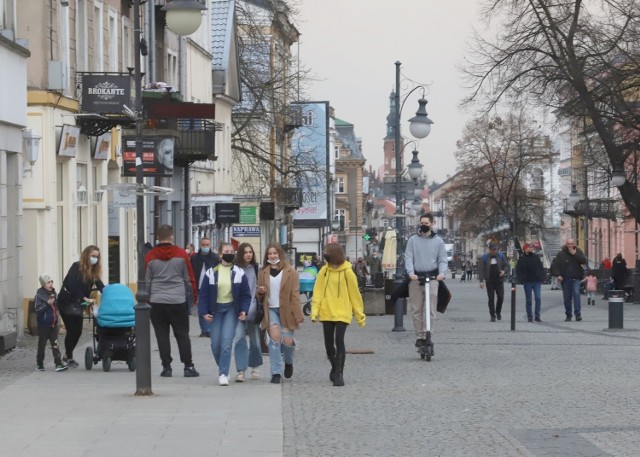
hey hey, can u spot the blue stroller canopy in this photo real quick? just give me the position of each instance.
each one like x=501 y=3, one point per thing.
x=116 y=307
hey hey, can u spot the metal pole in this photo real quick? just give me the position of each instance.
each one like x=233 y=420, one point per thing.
x=586 y=215
x=142 y=308
x=399 y=276
x=513 y=276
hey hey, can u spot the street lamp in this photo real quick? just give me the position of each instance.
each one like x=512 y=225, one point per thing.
x=420 y=127
x=185 y=17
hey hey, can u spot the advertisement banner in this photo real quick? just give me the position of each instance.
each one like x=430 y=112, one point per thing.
x=244 y=231
x=310 y=149
x=157 y=156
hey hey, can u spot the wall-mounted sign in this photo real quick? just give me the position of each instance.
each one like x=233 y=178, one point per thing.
x=199 y=214
x=239 y=231
x=157 y=156
x=103 y=147
x=69 y=137
x=248 y=215
x=227 y=213
x=105 y=94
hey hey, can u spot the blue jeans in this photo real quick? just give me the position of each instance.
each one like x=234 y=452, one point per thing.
x=535 y=288
x=247 y=355
x=223 y=328
x=204 y=325
x=571 y=290
x=278 y=350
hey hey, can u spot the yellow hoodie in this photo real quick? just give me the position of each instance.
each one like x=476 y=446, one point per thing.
x=336 y=296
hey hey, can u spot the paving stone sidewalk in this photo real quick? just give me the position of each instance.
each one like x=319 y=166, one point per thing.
x=550 y=389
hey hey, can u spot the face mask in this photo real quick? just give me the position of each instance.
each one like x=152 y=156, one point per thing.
x=424 y=228
x=188 y=251
x=228 y=257
x=205 y=250
x=93 y=260
x=273 y=261
x=327 y=258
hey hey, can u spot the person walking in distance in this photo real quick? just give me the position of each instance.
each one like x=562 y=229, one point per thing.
x=82 y=279
x=279 y=294
x=568 y=266
x=531 y=273
x=619 y=272
x=425 y=255
x=171 y=287
x=201 y=261
x=492 y=269
x=225 y=299
x=336 y=299
x=591 y=286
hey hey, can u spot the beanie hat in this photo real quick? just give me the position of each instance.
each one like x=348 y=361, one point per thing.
x=526 y=246
x=44 y=279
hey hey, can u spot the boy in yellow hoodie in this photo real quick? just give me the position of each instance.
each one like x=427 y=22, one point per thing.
x=336 y=299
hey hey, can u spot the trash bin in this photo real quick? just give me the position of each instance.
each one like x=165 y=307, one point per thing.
x=378 y=280
x=616 y=309
x=32 y=322
x=390 y=305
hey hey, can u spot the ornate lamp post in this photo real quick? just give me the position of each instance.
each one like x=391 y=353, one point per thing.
x=185 y=16
x=420 y=127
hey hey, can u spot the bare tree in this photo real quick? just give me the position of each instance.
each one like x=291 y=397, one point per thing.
x=497 y=158
x=271 y=79
x=577 y=56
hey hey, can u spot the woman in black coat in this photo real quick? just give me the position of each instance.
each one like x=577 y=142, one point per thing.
x=619 y=272
x=81 y=280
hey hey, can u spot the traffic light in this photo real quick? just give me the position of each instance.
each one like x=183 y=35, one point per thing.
x=370 y=234
x=366 y=236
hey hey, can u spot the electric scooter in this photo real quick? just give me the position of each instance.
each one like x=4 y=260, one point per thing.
x=426 y=348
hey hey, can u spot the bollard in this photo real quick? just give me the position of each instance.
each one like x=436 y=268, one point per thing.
x=513 y=305
x=399 y=311
x=616 y=309
x=143 y=349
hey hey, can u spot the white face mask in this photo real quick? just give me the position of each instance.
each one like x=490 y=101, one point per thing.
x=274 y=261
x=93 y=260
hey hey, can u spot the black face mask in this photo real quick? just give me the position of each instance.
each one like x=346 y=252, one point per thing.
x=425 y=228
x=228 y=257
x=327 y=258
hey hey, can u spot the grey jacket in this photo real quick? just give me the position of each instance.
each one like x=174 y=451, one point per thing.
x=424 y=254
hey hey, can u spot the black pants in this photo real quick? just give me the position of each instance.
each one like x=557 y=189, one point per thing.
x=495 y=288
x=49 y=334
x=164 y=317
x=73 y=325
x=334 y=337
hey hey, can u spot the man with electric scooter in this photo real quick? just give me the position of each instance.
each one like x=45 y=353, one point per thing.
x=425 y=256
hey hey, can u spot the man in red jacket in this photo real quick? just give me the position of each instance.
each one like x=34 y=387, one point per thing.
x=172 y=290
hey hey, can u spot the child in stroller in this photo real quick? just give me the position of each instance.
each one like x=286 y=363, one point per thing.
x=113 y=329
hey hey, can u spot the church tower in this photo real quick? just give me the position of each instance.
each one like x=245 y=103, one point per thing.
x=389 y=140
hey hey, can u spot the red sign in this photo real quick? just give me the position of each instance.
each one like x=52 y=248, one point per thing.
x=157 y=156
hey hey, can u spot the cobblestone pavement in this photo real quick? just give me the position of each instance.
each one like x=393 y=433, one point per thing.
x=550 y=389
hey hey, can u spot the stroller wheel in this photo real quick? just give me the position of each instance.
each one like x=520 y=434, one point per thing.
x=106 y=363
x=131 y=363
x=306 y=309
x=88 y=358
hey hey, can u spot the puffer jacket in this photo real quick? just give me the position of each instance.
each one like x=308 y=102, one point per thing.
x=47 y=314
x=336 y=297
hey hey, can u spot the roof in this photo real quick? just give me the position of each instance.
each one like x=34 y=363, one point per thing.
x=341 y=123
x=223 y=47
x=347 y=134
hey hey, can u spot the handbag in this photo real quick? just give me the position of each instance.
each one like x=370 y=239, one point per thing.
x=259 y=314
x=67 y=305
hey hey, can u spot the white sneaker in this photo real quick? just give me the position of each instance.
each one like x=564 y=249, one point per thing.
x=255 y=374
x=240 y=376
x=223 y=380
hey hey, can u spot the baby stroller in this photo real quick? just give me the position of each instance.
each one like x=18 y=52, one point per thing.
x=307 y=281
x=113 y=329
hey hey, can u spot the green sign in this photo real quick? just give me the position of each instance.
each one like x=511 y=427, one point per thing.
x=248 y=214
x=366 y=236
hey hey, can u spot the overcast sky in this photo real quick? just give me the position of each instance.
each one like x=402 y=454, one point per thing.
x=352 y=45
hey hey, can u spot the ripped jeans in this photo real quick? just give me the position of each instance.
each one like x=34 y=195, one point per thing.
x=280 y=342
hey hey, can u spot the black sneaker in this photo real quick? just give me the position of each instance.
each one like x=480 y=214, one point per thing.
x=530 y=319
x=538 y=319
x=275 y=379
x=70 y=362
x=288 y=370
x=568 y=319
x=578 y=317
x=499 y=316
x=493 y=318
x=39 y=367
x=61 y=367
x=167 y=372
x=190 y=372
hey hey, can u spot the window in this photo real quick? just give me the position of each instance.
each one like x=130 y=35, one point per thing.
x=172 y=69
x=127 y=43
x=340 y=189
x=63 y=39
x=336 y=152
x=81 y=36
x=7 y=12
x=98 y=50
x=113 y=41
x=340 y=216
